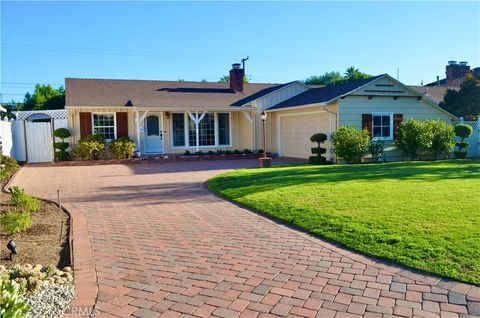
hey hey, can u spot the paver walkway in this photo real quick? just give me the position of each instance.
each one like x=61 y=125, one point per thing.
x=163 y=245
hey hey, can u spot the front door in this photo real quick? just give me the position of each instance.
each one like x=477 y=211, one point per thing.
x=154 y=133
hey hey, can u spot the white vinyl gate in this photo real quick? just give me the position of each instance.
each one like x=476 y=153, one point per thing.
x=39 y=141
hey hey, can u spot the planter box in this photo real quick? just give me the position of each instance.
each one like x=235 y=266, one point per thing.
x=154 y=159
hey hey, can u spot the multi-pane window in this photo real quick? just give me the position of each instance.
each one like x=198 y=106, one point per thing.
x=382 y=126
x=223 y=129
x=213 y=128
x=206 y=130
x=104 y=124
x=178 y=126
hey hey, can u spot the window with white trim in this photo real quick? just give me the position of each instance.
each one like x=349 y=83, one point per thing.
x=178 y=127
x=213 y=130
x=104 y=124
x=382 y=126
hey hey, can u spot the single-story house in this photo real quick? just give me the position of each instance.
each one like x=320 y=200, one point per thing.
x=170 y=117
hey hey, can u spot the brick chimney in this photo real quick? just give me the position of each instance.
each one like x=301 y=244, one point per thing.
x=236 y=78
x=456 y=73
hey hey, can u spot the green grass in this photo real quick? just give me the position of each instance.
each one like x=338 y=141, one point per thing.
x=424 y=215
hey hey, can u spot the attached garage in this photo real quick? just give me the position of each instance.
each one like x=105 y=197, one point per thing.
x=295 y=130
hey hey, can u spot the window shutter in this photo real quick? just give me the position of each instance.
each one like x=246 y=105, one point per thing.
x=397 y=120
x=122 y=124
x=85 y=124
x=367 y=123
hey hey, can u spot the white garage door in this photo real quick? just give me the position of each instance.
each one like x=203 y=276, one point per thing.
x=296 y=131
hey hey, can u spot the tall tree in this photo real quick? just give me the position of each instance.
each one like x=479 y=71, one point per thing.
x=336 y=78
x=466 y=101
x=354 y=74
x=45 y=97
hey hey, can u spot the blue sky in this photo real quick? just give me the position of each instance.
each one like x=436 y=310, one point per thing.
x=47 y=41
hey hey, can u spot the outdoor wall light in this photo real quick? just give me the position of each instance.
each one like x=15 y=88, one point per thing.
x=12 y=247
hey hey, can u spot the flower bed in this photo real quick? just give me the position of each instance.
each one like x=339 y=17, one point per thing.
x=35 y=291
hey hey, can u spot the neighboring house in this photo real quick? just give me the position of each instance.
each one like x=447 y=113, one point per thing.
x=455 y=75
x=171 y=117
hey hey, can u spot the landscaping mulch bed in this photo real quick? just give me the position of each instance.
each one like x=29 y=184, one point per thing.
x=42 y=243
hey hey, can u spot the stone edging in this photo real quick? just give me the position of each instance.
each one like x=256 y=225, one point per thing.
x=471 y=291
x=81 y=257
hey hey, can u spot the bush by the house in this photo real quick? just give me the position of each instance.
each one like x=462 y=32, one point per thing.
x=317 y=158
x=413 y=136
x=462 y=131
x=90 y=147
x=122 y=148
x=237 y=152
x=8 y=166
x=61 y=153
x=247 y=151
x=376 y=149
x=12 y=305
x=350 y=143
x=443 y=137
x=23 y=201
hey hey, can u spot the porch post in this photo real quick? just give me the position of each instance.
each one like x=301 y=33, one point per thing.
x=197 y=137
x=137 y=121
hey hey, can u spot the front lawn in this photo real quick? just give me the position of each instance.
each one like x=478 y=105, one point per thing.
x=425 y=215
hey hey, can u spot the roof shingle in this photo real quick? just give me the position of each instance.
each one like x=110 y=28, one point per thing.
x=175 y=94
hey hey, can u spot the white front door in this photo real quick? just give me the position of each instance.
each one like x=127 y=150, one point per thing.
x=154 y=133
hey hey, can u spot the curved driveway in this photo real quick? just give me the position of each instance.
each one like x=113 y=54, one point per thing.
x=163 y=245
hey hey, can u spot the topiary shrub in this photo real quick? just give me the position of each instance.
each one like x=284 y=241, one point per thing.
x=443 y=138
x=61 y=153
x=350 y=143
x=463 y=131
x=89 y=148
x=317 y=158
x=210 y=153
x=376 y=149
x=413 y=136
x=187 y=153
x=122 y=148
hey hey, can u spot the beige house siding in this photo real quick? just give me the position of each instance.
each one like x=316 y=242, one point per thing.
x=289 y=131
x=241 y=129
x=269 y=100
x=351 y=109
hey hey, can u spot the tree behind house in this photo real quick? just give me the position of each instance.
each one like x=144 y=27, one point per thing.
x=45 y=97
x=465 y=102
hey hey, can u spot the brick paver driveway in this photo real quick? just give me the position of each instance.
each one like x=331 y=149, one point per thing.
x=163 y=245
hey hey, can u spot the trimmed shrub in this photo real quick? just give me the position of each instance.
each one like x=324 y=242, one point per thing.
x=413 y=136
x=61 y=153
x=350 y=143
x=237 y=152
x=220 y=152
x=23 y=201
x=13 y=305
x=463 y=131
x=187 y=153
x=14 y=221
x=443 y=138
x=319 y=138
x=376 y=149
x=89 y=148
x=210 y=153
x=122 y=148
x=247 y=151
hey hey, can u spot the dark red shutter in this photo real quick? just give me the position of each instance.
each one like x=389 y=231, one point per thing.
x=85 y=124
x=122 y=124
x=397 y=120
x=367 y=123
